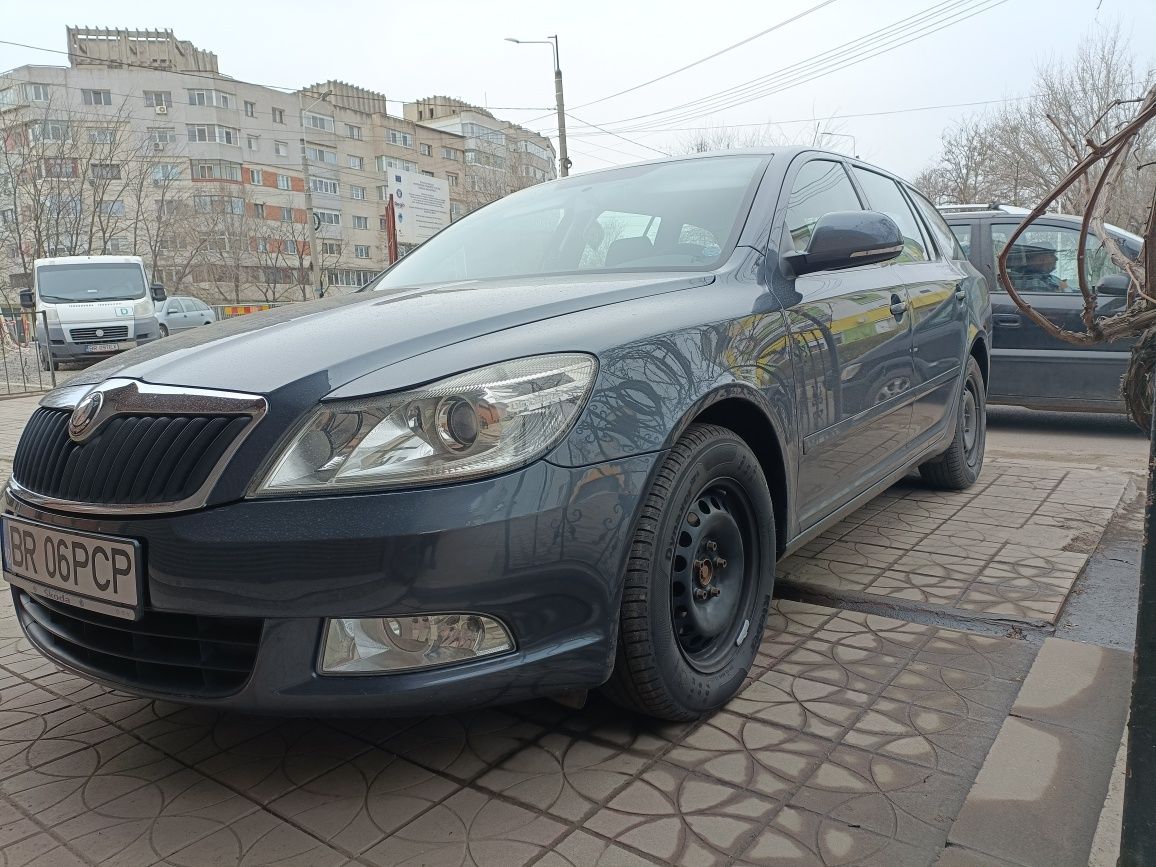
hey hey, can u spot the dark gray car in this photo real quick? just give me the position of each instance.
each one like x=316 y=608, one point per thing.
x=559 y=446
x=1029 y=367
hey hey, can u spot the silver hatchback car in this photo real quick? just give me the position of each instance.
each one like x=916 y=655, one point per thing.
x=182 y=312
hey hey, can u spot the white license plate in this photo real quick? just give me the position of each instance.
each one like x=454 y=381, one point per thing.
x=102 y=347
x=99 y=573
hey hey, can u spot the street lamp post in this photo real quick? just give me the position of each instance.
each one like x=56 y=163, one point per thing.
x=310 y=224
x=563 y=157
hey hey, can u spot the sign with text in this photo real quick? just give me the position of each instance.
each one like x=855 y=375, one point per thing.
x=422 y=205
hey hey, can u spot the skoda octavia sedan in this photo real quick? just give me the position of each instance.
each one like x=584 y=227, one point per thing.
x=558 y=447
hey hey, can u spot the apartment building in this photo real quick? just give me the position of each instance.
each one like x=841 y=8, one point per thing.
x=141 y=146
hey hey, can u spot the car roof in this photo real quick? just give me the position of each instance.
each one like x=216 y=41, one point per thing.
x=786 y=153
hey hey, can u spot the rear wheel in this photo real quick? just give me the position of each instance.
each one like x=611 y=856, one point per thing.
x=960 y=466
x=164 y=331
x=699 y=579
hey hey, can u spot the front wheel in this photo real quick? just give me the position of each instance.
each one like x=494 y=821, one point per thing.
x=164 y=331
x=698 y=582
x=958 y=468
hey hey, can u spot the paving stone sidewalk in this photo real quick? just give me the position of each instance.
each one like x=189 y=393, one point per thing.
x=856 y=740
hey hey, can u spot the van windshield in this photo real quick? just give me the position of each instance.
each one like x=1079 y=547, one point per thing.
x=668 y=216
x=112 y=281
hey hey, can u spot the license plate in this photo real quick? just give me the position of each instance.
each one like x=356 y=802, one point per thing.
x=99 y=573
x=102 y=347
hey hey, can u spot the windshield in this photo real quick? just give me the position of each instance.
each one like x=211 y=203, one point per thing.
x=110 y=281
x=667 y=216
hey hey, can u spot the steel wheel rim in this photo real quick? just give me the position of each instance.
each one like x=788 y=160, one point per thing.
x=970 y=421
x=710 y=601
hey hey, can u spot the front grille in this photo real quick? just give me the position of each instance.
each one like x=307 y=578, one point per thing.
x=130 y=460
x=89 y=335
x=180 y=654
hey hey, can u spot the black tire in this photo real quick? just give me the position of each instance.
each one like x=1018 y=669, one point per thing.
x=164 y=331
x=707 y=527
x=958 y=468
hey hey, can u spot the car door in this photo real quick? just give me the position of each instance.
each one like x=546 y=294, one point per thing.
x=183 y=316
x=851 y=347
x=199 y=312
x=1028 y=364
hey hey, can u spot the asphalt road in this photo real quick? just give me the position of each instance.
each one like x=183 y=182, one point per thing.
x=1069 y=438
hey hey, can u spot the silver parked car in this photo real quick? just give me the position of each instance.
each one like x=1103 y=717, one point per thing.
x=181 y=312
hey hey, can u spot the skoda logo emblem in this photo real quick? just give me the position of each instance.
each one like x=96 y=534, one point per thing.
x=80 y=422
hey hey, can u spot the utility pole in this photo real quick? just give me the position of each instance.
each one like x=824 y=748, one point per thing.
x=310 y=218
x=560 y=103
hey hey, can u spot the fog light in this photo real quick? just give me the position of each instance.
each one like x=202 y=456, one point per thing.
x=381 y=644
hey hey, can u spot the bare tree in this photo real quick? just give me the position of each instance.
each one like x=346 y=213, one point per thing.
x=720 y=138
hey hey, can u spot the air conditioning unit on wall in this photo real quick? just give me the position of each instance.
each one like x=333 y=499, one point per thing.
x=162 y=109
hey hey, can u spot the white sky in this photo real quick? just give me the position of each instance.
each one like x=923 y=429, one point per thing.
x=456 y=47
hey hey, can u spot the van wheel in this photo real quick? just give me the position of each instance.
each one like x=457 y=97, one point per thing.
x=698 y=582
x=164 y=331
x=958 y=468
x=45 y=361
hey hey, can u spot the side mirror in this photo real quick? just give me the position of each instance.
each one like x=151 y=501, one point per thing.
x=1113 y=285
x=158 y=292
x=26 y=299
x=844 y=239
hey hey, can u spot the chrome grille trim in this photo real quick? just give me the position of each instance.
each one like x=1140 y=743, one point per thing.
x=129 y=397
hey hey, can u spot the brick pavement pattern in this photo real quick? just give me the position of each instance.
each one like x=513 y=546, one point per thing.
x=855 y=740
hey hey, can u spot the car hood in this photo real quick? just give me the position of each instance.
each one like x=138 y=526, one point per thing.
x=336 y=340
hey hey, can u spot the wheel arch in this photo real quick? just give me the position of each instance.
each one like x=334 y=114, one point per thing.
x=982 y=356
x=739 y=410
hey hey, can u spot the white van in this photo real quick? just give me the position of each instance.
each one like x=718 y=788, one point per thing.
x=93 y=306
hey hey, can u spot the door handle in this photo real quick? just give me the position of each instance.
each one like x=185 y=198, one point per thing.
x=898 y=308
x=1008 y=320
x=960 y=293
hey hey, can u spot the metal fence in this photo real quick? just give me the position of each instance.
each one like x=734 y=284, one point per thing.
x=23 y=365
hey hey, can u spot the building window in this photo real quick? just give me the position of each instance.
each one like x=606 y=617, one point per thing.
x=528 y=147
x=317 y=121
x=356 y=162
x=284 y=182
x=262 y=245
x=384 y=164
x=427 y=174
x=162 y=135
x=320 y=155
x=51 y=130
x=202 y=132
x=96 y=97
x=324 y=185
x=258 y=210
x=218 y=205
x=37 y=92
x=328 y=218
x=361 y=251
x=286 y=215
x=153 y=98
x=330 y=248
x=60 y=168
x=256 y=177
x=250 y=109
x=112 y=209
x=165 y=172
x=345 y=277
x=401 y=139
x=456 y=210
x=452 y=178
x=426 y=150
x=451 y=154
x=290 y=246
x=116 y=246
x=105 y=171
x=353 y=131
x=356 y=192
x=228 y=135
x=217 y=98
x=278 y=115
x=253 y=142
x=281 y=148
x=101 y=135
x=217 y=170
x=361 y=222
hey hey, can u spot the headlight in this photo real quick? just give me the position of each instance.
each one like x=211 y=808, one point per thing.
x=473 y=424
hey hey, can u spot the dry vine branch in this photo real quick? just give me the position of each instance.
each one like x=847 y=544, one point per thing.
x=1139 y=315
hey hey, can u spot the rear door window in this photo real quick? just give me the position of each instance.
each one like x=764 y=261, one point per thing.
x=962 y=234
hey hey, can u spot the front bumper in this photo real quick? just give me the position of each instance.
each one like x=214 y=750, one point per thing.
x=542 y=549
x=142 y=331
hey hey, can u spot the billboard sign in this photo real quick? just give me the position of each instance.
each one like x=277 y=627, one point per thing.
x=421 y=205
